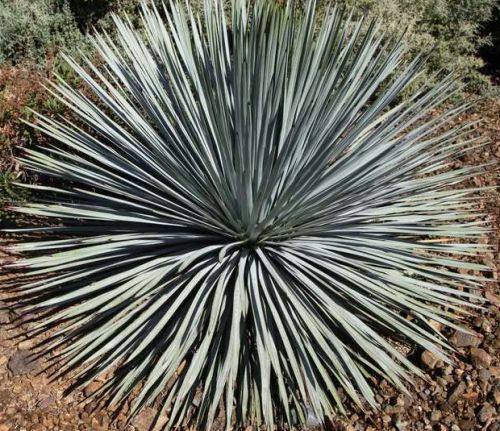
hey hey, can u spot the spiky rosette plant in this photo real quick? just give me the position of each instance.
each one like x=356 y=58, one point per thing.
x=253 y=216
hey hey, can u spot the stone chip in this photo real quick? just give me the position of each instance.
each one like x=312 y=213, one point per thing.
x=464 y=339
x=480 y=358
x=22 y=362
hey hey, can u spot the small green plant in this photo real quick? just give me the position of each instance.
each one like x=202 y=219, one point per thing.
x=9 y=193
x=7 y=179
x=250 y=220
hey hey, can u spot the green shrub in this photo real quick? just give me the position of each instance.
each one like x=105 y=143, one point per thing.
x=32 y=31
x=251 y=226
x=491 y=52
x=449 y=30
x=9 y=194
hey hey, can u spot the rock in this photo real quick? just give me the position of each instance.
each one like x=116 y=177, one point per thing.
x=3 y=360
x=484 y=375
x=91 y=388
x=161 y=422
x=435 y=325
x=496 y=394
x=480 y=358
x=90 y=408
x=436 y=416
x=492 y=298
x=4 y=316
x=4 y=427
x=391 y=410
x=486 y=413
x=470 y=396
x=48 y=421
x=22 y=363
x=5 y=397
x=145 y=419
x=312 y=420
x=464 y=339
x=495 y=372
x=399 y=424
x=467 y=425
x=448 y=370
x=26 y=345
x=441 y=381
x=46 y=402
x=496 y=343
x=430 y=360
x=483 y=323
x=94 y=423
x=455 y=394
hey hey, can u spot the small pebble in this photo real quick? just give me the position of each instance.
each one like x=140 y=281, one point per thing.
x=480 y=358
x=484 y=375
x=456 y=393
x=464 y=339
x=22 y=363
x=486 y=413
x=26 y=345
x=430 y=360
x=436 y=415
x=496 y=394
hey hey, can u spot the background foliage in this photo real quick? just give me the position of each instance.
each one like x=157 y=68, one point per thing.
x=33 y=32
x=451 y=28
x=32 y=29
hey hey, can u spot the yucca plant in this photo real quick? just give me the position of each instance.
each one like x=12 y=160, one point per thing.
x=253 y=217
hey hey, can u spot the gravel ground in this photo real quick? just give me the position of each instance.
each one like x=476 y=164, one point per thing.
x=462 y=396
